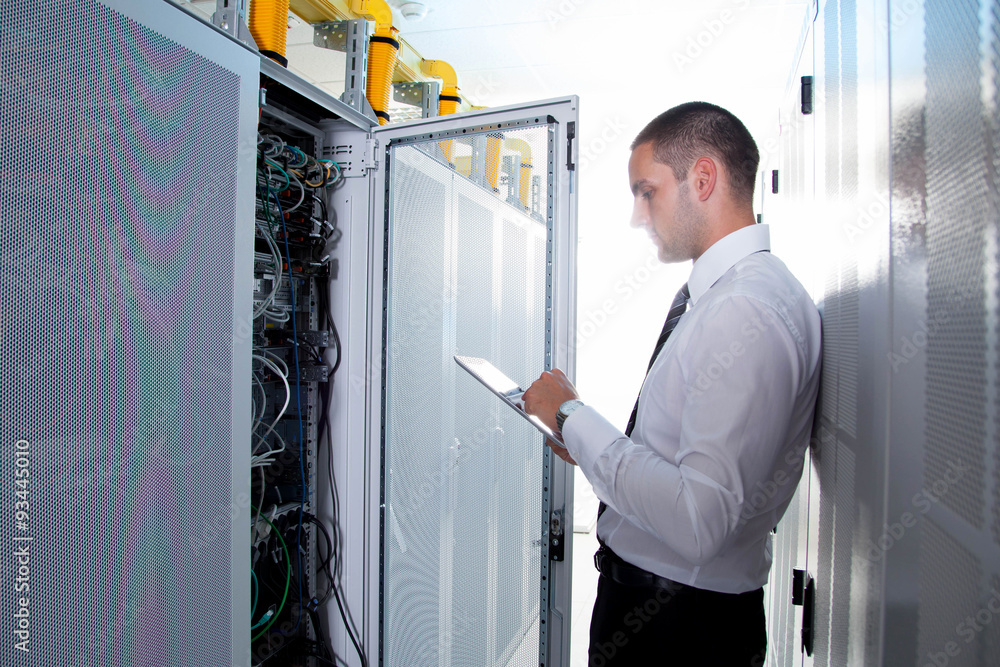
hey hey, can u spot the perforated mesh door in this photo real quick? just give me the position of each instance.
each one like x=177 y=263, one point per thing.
x=962 y=449
x=118 y=187
x=463 y=474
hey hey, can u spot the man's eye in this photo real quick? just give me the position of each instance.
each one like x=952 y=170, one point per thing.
x=648 y=194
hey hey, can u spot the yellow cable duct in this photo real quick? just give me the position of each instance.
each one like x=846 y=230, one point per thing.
x=522 y=147
x=383 y=52
x=269 y=27
x=449 y=100
x=463 y=164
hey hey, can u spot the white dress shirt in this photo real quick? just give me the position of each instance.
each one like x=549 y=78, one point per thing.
x=725 y=415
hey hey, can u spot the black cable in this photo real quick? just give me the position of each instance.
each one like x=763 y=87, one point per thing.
x=322 y=206
x=348 y=624
x=336 y=563
x=324 y=291
x=324 y=565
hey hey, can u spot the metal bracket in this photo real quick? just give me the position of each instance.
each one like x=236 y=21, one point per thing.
x=423 y=94
x=230 y=15
x=477 y=166
x=512 y=170
x=351 y=37
x=557 y=544
x=351 y=150
x=371 y=153
x=331 y=35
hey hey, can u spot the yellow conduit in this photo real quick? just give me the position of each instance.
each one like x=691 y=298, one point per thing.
x=449 y=100
x=269 y=27
x=493 y=143
x=463 y=164
x=383 y=52
x=524 y=182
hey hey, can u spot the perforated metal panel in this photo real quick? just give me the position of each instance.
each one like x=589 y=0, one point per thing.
x=117 y=299
x=463 y=474
x=825 y=460
x=961 y=450
x=958 y=215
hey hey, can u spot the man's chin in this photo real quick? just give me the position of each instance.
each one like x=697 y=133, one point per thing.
x=667 y=256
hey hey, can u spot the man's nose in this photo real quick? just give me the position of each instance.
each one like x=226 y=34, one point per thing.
x=640 y=217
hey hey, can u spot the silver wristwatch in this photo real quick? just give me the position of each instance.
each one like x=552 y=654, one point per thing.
x=565 y=410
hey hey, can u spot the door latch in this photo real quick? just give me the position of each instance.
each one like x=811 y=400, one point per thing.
x=804 y=595
x=556 y=536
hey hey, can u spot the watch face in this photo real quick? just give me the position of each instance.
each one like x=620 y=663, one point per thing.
x=570 y=406
x=565 y=410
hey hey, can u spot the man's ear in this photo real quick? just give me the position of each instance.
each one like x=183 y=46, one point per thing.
x=704 y=177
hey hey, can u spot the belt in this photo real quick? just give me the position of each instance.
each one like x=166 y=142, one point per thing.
x=610 y=565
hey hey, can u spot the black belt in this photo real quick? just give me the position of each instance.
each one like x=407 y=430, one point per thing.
x=610 y=565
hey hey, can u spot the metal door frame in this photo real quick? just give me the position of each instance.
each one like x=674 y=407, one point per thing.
x=558 y=479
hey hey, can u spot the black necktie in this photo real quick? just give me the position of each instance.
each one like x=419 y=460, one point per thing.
x=677 y=309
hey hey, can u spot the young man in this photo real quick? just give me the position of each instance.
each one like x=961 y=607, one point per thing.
x=710 y=459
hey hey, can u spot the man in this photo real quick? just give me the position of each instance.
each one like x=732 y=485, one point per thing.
x=715 y=446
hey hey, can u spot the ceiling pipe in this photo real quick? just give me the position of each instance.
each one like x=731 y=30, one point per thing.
x=268 y=21
x=383 y=52
x=448 y=100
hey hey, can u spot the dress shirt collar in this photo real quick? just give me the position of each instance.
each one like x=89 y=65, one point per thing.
x=724 y=254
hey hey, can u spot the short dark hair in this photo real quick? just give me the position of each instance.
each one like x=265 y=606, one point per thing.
x=686 y=132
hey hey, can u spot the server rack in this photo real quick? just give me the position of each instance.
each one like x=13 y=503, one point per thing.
x=892 y=173
x=206 y=617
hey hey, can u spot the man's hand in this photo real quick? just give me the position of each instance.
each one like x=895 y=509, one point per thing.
x=560 y=451
x=543 y=399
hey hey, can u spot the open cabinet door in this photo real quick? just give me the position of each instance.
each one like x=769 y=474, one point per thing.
x=477 y=258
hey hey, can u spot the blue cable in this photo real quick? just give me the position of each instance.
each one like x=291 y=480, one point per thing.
x=256 y=590
x=298 y=405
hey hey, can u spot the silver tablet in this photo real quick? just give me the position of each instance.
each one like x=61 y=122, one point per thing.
x=506 y=389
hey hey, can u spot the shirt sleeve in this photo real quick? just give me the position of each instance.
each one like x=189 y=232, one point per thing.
x=740 y=367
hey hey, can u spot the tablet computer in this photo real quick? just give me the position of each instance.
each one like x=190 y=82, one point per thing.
x=506 y=389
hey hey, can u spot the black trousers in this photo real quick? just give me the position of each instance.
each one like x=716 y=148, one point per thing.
x=635 y=626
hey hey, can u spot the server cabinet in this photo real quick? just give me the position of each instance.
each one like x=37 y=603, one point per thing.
x=902 y=546
x=788 y=181
x=127 y=297
x=128 y=132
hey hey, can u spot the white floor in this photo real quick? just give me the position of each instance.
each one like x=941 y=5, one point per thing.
x=584 y=574
x=584 y=592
